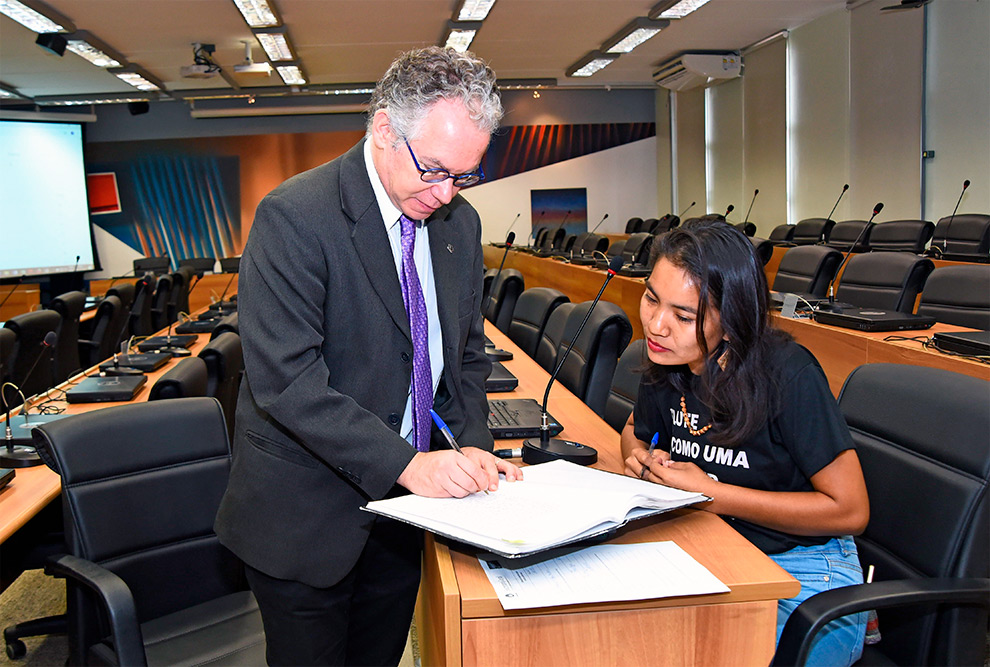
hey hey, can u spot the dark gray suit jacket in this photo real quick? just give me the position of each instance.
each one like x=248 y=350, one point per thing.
x=328 y=359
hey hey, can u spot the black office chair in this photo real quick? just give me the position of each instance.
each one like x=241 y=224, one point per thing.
x=568 y=245
x=553 y=242
x=921 y=437
x=147 y=581
x=224 y=367
x=590 y=366
x=747 y=228
x=7 y=341
x=139 y=321
x=964 y=236
x=125 y=292
x=647 y=225
x=553 y=336
x=637 y=248
x=958 y=295
x=199 y=265
x=226 y=323
x=616 y=249
x=763 y=249
x=902 y=235
x=230 y=264
x=30 y=330
x=156 y=265
x=69 y=306
x=632 y=225
x=782 y=234
x=812 y=231
x=807 y=269
x=108 y=323
x=159 y=302
x=529 y=318
x=178 y=299
x=624 y=391
x=884 y=280
x=486 y=286
x=595 y=245
x=501 y=300
x=845 y=233
x=665 y=224
x=186 y=379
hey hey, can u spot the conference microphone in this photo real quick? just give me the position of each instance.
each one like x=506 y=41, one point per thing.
x=831 y=306
x=493 y=353
x=76 y=265
x=751 y=202
x=690 y=206
x=13 y=289
x=545 y=448
x=728 y=210
x=604 y=217
x=514 y=221
x=553 y=236
x=534 y=228
x=934 y=250
x=220 y=304
x=581 y=249
x=113 y=280
x=836 y=205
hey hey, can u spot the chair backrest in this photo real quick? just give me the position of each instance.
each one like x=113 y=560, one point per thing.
x=617 y=248
x=902 y=235
x=31 y=330
x=553 y=239
x=632 y=225
x=885 y=280
x=159 y=304
x=529 y=318
x=811 y=231
x=139 y=321
x=845 y=233
x=958 y=295
x=569 y=241
x=624 y=391
x=230 y=264
x=783 y=233
x=178 y=300
x=637 y=248
x=198 y=265
x=665 y=224
x=747 y=228
x=108 y=323
x=763 y=249
x=807 y=269
x=224 y=367
x=553 y=335
x=486 y=286
x=156 y=265
x=7 y=341
x=142 y=504
x=964 y=233
x=595 y=243
x=540 y=237
x=921 y=437
x=588 y=369
x=226 y=323
x=125 y=292
x=70 y=306
x=501 y=301
x=647 y=225
x=575 y=246
x=186 y=379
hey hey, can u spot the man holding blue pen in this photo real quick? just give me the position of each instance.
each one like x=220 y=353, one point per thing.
x=360 y=309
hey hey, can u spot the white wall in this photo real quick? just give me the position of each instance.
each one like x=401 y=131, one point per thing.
x=621 y=181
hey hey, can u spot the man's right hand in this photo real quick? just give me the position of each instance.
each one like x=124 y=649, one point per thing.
x=444 y=474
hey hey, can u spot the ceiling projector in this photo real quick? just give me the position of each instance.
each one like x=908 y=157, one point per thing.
x=249 y=66
x=199 y=71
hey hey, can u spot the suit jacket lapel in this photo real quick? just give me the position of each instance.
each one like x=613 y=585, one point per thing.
x=444 y=252
x=368 y=235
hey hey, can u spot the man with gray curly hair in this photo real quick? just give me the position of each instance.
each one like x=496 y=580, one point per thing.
x=360 y=302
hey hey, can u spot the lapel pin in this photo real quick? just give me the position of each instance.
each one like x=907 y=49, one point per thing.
x=450 y=249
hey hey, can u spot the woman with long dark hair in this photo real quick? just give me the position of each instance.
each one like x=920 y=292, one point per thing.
x=745 y=416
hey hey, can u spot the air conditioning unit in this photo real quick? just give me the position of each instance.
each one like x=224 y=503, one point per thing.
x=691 y=70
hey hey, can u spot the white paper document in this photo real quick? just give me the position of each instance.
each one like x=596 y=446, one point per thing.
x=603 y=573
x=556 y=503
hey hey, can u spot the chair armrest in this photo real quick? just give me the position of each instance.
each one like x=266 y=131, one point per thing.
x=818 y=610
x=117 y=601
x=88 y=343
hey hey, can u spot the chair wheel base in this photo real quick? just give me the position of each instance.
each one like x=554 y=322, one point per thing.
x=16 y=649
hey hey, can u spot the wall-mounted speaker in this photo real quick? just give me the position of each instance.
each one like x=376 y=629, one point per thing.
x=138 y=108
x=52 y=42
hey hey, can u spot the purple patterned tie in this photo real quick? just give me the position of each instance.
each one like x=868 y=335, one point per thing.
x=422 y=376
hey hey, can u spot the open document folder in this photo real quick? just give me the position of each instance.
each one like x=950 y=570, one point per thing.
x=556 y=504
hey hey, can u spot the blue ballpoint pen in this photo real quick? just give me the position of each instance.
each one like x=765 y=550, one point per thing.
x=653 y=445
x=448 y=435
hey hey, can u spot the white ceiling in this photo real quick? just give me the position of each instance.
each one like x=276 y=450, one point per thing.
x=353 y=41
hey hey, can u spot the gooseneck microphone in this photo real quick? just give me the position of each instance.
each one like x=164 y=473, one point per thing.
x=836 y=205
x=728 y=210
x=223 y=294
x=514 y=221
x=604 y=217
x=534 y=229
x=545 y=448
x=689 y=207
x=751 y=202
x=831 y=306
x=934 y=250
x=13 y=289
x=553 y=234
x=508 y=244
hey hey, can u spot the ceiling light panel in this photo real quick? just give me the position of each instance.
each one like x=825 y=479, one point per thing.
x=9 y=94
x=35 y=20
x=276 y=45
x=591 y=63
x=136 y=80
x=292 y=75
x=676 y=10
x=94 y=55
x=257 y=13
x=460 y=40
x=632 y=35
x=474 y=10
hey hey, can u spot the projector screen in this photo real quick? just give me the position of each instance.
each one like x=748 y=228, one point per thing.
x=44 y=214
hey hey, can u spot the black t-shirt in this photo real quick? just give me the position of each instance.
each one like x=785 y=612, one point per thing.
x=805 y=434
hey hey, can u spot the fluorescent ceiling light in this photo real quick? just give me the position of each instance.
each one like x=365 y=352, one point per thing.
x=292 y=75
x=672 y=9
x=525 y=84
x=591 y=63
x=279 y=111
x=86 y=101
x=632 y=35
x=258 y=13
x=35 y=16
x=275 y=44
x=9 y=94
x=474 y=10
x=96 y=52
x=134 y=76
x=460 y=34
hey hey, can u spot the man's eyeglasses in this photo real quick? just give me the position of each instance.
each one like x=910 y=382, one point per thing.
x=437 y=175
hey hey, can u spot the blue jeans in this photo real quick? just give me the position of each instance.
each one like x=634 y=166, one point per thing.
x=820 y=568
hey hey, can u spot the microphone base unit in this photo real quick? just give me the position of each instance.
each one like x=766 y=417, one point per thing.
x=119 y=371
x=175 y=351
x=20 y=429
x=497 y=354
x=832 y=307
x=19 y=457
x=534 y=451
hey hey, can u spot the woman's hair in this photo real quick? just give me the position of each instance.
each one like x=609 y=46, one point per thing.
x=738 y=381
x=418 y=79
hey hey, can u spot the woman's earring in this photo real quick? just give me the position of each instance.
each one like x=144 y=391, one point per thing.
x=723 y=360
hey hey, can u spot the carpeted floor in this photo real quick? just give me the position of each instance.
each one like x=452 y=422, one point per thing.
x=34 y=595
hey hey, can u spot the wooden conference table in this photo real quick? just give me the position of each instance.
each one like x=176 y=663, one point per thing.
x=461 y=622
x=838 y=350
x=33 y=488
